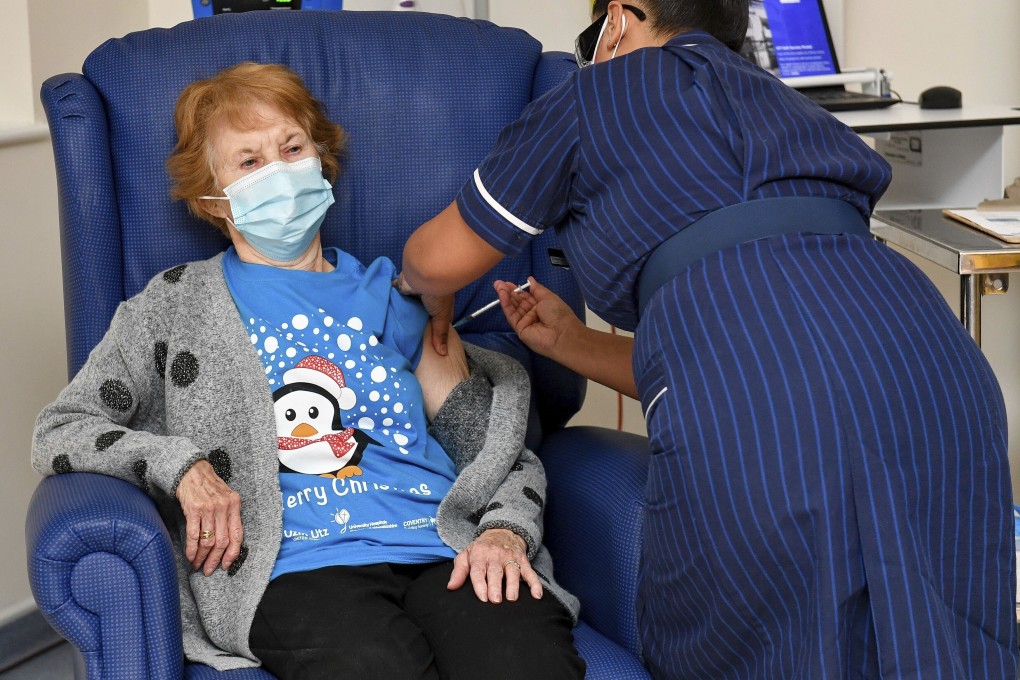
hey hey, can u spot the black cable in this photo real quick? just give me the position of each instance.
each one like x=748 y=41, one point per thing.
x=900 y=98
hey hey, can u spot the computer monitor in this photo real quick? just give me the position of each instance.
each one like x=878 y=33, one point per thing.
x=790 y=38
x=206 y=8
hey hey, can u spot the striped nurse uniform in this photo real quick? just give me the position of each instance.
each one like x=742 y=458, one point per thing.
x=828 y=494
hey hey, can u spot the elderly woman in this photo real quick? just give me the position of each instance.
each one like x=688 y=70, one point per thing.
x=325 y=506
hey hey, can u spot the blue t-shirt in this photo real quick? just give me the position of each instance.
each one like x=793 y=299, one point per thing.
x=361 y=478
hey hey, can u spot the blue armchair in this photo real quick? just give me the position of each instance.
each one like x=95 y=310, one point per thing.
x=422 y=98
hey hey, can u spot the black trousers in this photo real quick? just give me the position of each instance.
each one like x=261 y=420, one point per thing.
x=398 y=621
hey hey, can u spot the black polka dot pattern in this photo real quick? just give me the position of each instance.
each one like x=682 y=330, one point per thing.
x=184 y=369
x=533 y=496
x=517 y=468
x=241 y=557
x=159 y=353
x=62 y=464
x=220 y=462
x=116 y=395
x=140 y=468
x=174 y=275
x=108 y=439
x=477 y=515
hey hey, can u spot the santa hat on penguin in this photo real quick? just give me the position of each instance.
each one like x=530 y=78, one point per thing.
x=324 y=374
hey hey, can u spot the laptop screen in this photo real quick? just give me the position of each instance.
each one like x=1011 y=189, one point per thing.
x=790 y=38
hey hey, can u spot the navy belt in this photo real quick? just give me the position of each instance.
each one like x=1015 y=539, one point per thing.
x=740 y=223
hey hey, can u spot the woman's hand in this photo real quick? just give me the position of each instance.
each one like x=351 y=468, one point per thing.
x=497 y=552
x=542 y=320
x=210 y=506
x=438 y=375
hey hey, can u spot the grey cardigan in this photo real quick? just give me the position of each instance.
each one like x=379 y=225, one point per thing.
x=175 y=380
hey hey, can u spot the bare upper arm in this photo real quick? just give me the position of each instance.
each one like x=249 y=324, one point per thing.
x=438 y=374
x=445 y=254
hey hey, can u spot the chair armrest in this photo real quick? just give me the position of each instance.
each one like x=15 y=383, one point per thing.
x=197 y=671
x=101 y=568
x=593 y=523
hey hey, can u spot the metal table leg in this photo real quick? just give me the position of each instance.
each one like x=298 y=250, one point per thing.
x=970 y=305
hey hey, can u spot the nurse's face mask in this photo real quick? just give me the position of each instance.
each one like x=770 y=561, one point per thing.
x=588 y=41
x=279 y=207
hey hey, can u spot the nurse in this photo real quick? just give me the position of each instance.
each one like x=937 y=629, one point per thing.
x=828 y=492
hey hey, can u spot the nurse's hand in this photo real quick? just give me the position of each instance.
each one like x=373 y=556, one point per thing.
x=496 y=554
x=438 y=375
x=548 y=326
x=542 y=320
x=439 y=307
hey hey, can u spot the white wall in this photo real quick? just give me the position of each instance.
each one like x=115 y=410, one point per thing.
x=966 y=44
x=16 y=76
x=33 y=361
x=555 y=24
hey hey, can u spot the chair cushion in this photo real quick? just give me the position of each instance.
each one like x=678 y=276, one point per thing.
x=197 y=671
x=594 y=523
x=606 y=660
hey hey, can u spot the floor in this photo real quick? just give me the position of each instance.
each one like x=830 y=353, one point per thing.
x=56 y=663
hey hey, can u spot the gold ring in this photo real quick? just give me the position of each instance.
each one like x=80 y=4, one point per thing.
x=207 y=534
x=513 y=562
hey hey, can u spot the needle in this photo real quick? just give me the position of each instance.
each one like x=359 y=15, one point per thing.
x=487 y=307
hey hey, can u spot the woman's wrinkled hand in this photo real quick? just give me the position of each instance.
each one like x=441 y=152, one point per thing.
x=493 y=555
x=210 y=505
x=539 y=316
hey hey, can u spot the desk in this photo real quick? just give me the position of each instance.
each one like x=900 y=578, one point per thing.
x=960 y=159
x=957 y=164
x=965 y=251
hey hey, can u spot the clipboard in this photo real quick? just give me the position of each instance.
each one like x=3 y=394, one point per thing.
x=1002 y=224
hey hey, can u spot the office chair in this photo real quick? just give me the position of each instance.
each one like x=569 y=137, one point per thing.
x=422 y=98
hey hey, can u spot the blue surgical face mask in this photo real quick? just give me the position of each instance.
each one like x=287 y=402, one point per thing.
x=280 y=207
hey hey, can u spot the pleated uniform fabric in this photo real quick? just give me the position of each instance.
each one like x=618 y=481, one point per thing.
x=829 y=494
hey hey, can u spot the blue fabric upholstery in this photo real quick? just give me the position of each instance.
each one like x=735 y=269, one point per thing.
x=593 y=522
x=84 y=533
x=606 y=660
x=422 y=98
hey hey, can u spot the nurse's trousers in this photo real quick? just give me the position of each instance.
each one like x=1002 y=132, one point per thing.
x=829 y=493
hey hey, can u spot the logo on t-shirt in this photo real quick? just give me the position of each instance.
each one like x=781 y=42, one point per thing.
x=311 y=436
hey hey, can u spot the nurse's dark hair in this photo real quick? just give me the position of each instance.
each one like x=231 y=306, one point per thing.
x=726 y=20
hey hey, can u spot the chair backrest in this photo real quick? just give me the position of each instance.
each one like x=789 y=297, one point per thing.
x=421 y=96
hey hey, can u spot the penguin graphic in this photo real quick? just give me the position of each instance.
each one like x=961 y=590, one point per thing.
x=311 y=439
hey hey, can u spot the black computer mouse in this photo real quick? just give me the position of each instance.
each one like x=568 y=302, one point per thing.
x=940 y=97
